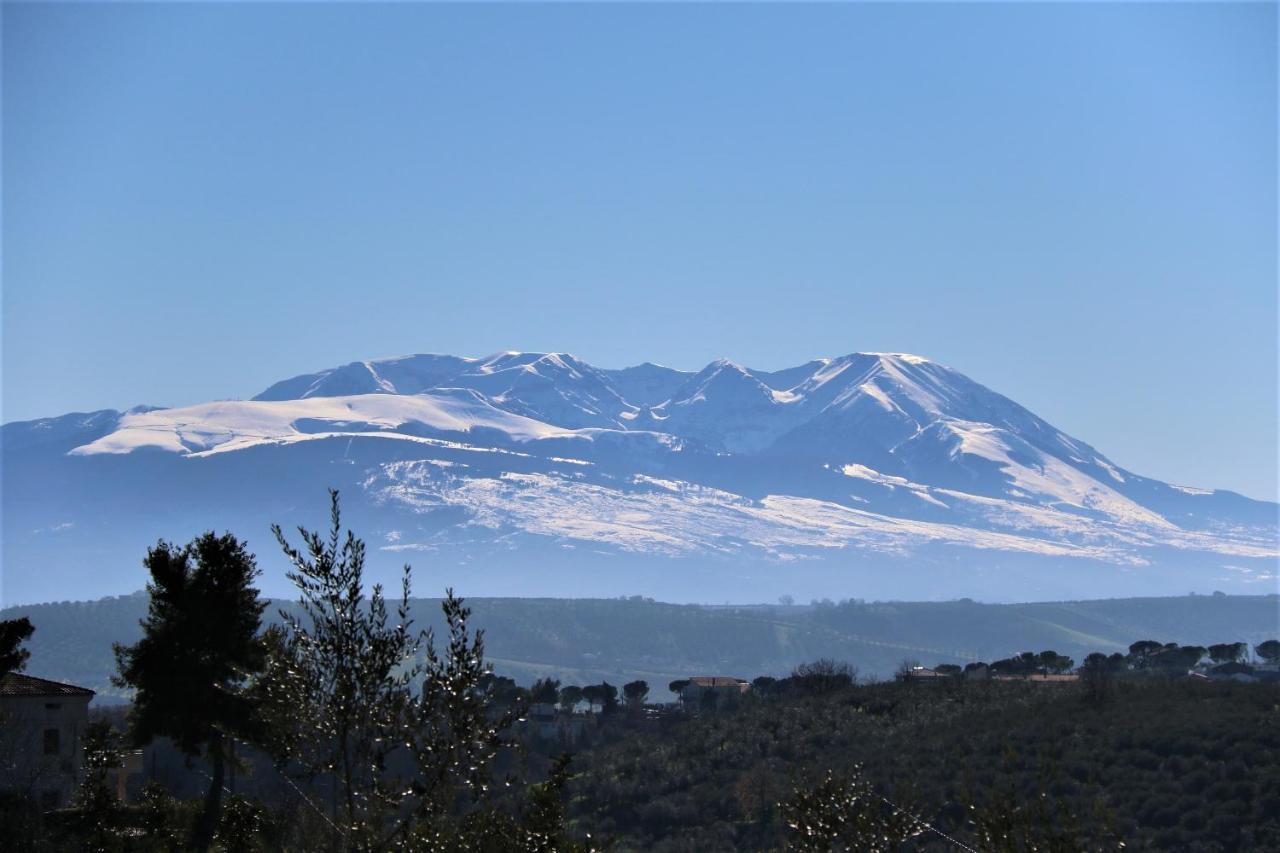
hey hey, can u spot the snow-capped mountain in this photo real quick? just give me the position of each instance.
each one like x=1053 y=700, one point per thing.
x=553 y=387
x=870 y=475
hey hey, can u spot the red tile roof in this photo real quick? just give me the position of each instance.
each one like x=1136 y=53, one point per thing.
x=17 y=684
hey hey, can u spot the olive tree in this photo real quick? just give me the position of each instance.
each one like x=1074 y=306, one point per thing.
x=338 y=692
x=343 y=707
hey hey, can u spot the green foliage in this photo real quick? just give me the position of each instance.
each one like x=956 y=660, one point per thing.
x=635 y=693
x=241 y=826
x=604 y=694
x=455 y=735
x=165 y=822
x=1030 y=663
x=543 y=820
x=1140 y=653
x=823 y=676
x=13 y=632
x=411 y=770
x=845 y=813
x=545 y=690
x=500 y=689
x=200 y=639
x=336 y=694
x=1052 y=662
x=20 y=823
x=99 y=816
x=1269 y=650
x=764 y=685
x=1162 y=764
x=608 y=698
x=1178 y=659
x=570 y=696
x=1098 y=675
x=1006 y=824
x=200 y=643
x=1228 y=652
x=538 y=829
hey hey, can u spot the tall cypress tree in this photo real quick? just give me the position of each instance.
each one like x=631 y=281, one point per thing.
x=200 y=642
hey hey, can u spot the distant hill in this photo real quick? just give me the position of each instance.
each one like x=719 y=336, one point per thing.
x=586 y=640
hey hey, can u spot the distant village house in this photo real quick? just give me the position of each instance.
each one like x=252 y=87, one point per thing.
x=712 y=690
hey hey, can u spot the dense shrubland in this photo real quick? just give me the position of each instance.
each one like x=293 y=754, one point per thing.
x=1160 y=763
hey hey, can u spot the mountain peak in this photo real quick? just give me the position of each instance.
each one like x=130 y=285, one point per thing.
x=906 y=357
x=724 y=376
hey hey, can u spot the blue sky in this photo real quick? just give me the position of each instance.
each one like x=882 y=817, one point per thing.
x=1075 y=204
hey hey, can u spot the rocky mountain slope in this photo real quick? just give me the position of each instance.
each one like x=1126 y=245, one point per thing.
x=871 y=474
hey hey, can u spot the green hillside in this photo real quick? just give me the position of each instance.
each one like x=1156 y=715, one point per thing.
x=584 y=640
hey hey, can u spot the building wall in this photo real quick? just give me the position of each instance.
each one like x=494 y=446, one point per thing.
x=41 y=746
x=694 y=696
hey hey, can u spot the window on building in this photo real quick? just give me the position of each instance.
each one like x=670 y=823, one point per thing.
x=52 y=741
x=53 y=706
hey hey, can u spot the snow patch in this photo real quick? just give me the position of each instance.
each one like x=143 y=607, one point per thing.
x=237 y=425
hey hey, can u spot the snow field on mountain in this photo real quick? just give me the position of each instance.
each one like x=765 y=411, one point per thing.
x=241 y=424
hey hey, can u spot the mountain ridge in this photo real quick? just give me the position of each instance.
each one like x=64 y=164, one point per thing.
x=837 y=462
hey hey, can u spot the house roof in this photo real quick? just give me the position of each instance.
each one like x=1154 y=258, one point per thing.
x=18 y=684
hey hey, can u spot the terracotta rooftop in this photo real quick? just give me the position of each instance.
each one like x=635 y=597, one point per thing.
x=17 y=684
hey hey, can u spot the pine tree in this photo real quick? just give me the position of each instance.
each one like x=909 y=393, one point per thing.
x=13 y=632
x=200 y=643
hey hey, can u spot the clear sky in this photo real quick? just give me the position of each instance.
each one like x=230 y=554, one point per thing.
x=1074 y=204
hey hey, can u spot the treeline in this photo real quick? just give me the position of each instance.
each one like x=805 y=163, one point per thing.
x=587 y=641
x=1149 y=656
x=569 y=697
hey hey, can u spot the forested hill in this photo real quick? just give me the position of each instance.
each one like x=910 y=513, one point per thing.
x=586 y=640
